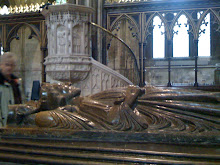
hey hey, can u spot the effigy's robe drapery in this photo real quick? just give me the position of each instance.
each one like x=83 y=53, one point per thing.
x=131 y=108
x=180 y=110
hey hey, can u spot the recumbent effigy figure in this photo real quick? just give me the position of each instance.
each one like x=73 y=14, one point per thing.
x=128 y=108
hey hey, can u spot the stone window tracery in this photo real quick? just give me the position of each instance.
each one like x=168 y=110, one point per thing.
x=179 y=35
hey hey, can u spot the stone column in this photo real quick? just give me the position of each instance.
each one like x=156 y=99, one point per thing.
x=196 y=62
x=68 y=42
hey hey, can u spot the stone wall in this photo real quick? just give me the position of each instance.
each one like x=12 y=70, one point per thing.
x=28 y=60
x=182 y=72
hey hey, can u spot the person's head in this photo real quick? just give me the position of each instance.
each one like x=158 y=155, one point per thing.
x=7 y=63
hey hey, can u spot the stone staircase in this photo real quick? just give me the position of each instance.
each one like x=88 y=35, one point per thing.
x=60 y=150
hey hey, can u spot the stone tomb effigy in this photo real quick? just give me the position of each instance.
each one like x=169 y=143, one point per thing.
x=122 y=125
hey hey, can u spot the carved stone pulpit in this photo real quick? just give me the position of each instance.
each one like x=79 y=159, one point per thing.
x=69 y=57
x=68 y=42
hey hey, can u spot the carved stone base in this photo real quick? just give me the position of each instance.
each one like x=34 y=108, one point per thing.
x=52 y=146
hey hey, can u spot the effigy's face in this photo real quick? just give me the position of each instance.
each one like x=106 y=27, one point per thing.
x=49 y=98
x=56 y=95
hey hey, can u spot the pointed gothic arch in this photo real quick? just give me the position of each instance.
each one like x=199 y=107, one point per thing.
x=148 y=24
x=13 y=33
x=190 y=20
x=126 y=17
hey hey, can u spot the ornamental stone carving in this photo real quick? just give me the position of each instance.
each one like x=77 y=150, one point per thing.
x=68 y=56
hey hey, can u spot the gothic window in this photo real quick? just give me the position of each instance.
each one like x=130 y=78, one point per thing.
x=181 y=38
x=158 y=38
x=204 y=37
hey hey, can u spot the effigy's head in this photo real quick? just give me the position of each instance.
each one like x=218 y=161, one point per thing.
x=56 y=95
